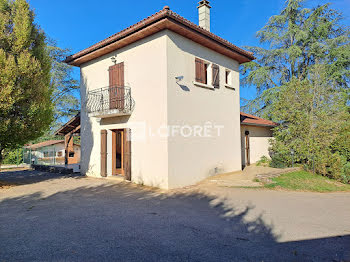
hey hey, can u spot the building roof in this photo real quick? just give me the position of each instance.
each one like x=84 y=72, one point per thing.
x=248 y=119
x=164 y=19
x=45 y=143
x=73 y=125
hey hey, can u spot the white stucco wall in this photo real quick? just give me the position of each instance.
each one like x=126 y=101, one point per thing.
x=194 y=158
x=259 y=142
x=145 y=72
x=39 y=152
x=151 y=66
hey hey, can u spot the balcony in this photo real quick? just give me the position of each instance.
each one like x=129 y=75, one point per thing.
x=110 y=101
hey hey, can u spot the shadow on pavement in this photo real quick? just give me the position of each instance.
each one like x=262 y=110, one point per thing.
x=122 y=222
x=24 y=177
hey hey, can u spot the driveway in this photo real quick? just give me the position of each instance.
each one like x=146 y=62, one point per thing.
x=246 y=177
x=84 y=219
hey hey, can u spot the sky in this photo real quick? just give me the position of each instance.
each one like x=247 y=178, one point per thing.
x=77 y=24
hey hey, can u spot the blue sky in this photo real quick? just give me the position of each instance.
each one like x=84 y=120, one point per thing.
x=77 y=24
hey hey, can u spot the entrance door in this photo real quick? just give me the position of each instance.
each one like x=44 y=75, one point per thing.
x=116 y=86
x=118 y=152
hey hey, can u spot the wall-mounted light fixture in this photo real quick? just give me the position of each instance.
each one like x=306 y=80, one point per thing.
x=179 y=78
x=114 y=59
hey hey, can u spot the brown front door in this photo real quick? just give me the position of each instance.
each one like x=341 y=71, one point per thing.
x=116 y=86
x=118 y=152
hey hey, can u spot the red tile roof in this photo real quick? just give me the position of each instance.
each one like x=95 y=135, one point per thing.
x=248 y=119
x=165 y=14
x=45 y=143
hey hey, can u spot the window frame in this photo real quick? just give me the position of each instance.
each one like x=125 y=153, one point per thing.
x=208 y=78
x=229 y=79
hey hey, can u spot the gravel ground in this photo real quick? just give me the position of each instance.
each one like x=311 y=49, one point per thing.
x=60 y=218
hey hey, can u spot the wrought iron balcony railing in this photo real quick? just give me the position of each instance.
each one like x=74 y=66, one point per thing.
x=113 y=99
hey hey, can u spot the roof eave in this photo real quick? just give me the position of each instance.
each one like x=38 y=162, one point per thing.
x=117 y=37
x=155 y=23
x=60 y=132
x=261 y=125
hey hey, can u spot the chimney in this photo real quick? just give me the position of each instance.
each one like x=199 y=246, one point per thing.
x=204 y=14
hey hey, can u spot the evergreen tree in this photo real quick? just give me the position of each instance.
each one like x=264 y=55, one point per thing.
x=26 y=108
x=313 y=117
x=302 y=77
x=295 y=41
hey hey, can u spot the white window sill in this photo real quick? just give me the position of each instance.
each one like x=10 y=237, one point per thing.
x=230 y=87
x=203 y=85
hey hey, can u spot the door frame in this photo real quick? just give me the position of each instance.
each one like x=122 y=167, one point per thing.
x=247 y=148
x=117 y=171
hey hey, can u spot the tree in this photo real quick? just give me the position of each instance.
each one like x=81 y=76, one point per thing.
x=312 y=114
x=295 y=41
x=302 y=78
x=64 y=98
x=65 y=86
x=26 y=108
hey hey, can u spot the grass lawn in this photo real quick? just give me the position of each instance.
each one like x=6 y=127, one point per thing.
x=305 y=181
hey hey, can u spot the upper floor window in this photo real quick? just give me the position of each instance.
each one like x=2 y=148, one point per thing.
x=207 y=73
x=202 y=71
x=228 y=77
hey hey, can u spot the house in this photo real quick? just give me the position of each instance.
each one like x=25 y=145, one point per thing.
x=161 y=102
x=255 y=135
x=52 y=152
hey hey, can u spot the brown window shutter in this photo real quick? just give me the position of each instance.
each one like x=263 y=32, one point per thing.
x=127 y=153
x=121 y=74
x=116 y=86
x=104 y=153
x=216 y=76
x=200 y=71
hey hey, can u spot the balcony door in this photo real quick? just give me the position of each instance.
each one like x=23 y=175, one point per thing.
x=116 y=86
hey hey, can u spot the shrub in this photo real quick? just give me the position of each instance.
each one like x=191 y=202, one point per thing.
x=13 y=157
x=341 y=143
x=334 y=166
x=264 y=161
x=279 y=160
x=345 y=174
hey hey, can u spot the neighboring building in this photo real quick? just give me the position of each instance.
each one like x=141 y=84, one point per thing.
x=51 y=152
x=255 y=135
x=152 y=93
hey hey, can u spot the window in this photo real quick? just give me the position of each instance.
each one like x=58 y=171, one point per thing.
x=71 y=154
x=202 y=71
x=206 y=76
x=59 y=154
x=48 y=154
x=228 y=78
